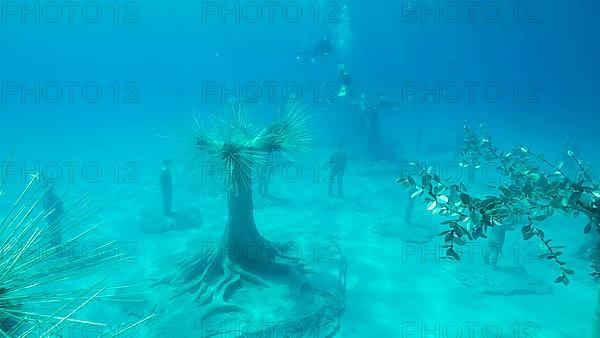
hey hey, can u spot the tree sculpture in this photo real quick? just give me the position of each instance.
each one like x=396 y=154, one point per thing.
x=533 y=190
x=370 y=108
x=222 y=280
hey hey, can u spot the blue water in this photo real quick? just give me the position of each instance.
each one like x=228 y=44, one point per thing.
x=157 y=62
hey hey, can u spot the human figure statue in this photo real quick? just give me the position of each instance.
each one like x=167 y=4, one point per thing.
x=166 y=187
x=338 y=161
x=53 y=206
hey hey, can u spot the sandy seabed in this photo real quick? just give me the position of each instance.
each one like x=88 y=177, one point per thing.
x=395 y=287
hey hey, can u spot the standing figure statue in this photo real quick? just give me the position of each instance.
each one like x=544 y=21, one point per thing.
x=338 y=163
x=166 y=187
x=53 y=206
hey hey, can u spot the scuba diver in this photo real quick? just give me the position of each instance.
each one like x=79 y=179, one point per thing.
x=344 y=83
x=338 y=162
x=321 y=51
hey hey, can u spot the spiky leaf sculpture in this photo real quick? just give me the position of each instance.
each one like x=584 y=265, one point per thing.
x=237 y=155
x=214 y=279
x=37 y=297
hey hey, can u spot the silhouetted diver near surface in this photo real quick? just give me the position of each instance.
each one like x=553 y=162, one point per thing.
x=166 y=187
x=321 y=51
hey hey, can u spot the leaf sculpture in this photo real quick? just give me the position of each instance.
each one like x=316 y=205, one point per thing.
x=36 y=297
x=533 y=191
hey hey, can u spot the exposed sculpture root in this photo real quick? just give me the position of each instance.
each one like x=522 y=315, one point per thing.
x=214 y=283
x=215 y=280
x=228 y=277
x=250 y=277
x=241 y=262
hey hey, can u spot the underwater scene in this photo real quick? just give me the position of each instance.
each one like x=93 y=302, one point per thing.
x=307 y=168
